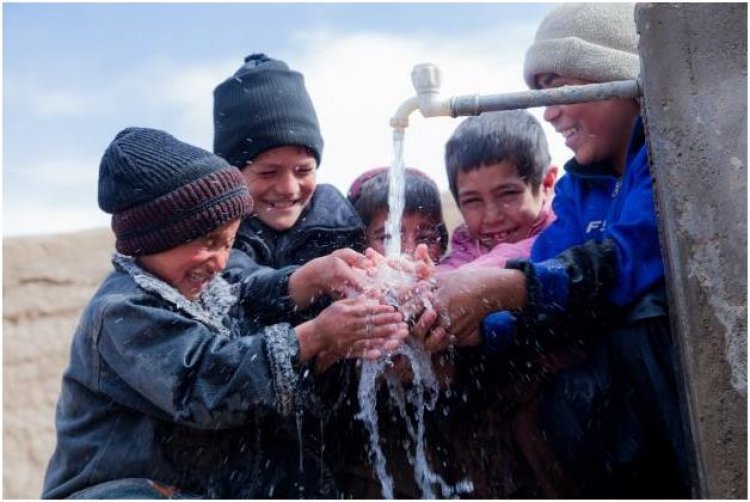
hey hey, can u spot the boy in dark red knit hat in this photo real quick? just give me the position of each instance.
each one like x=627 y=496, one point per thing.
x=171 y=391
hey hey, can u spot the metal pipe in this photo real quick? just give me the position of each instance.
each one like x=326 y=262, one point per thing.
x=476 y=104
x=426 y=80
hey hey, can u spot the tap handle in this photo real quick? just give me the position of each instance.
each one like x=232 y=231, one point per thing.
x=426 y=78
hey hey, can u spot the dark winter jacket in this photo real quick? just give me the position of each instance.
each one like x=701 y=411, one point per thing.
x=328 y=223
x=188 y=394
x=600 y=258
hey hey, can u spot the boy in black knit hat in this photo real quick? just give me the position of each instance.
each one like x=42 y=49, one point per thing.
x=171 y=391
x=266 y=126
x=302 y=245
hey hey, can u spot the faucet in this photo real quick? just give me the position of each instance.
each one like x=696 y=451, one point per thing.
x=426 y=79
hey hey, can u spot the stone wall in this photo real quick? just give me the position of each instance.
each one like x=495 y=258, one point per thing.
x=694 y=78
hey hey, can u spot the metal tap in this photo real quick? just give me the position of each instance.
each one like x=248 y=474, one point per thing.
x=426 y=79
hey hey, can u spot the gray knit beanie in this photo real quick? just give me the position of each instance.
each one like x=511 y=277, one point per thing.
x=591 y=41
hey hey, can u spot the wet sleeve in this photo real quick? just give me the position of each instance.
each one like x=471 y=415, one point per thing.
x=263 y=291
x=180 y=369
x=562 y=292
x=618 y=270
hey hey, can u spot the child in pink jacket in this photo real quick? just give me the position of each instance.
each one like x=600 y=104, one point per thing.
x=499 y=173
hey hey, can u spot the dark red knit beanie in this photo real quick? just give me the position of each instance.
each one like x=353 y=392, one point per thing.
x=162 y=192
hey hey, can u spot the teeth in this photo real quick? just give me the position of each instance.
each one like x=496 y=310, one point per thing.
x=199 y=278
x=569 y=132
x=282 y=205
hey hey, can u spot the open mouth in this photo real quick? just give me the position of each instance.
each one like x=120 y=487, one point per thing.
x=570 y=135
x=494 y=237
x=282 y=205
x=199 y=281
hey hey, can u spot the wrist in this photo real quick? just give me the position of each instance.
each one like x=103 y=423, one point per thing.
x=506 y=291
x=310 y=343
x=302 y=287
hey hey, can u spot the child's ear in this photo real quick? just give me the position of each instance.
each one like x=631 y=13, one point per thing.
x=550 y=177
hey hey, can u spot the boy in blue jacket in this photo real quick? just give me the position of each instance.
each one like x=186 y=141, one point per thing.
x=595 y=278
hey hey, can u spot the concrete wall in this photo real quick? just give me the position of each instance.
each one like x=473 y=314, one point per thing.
x=694 y=78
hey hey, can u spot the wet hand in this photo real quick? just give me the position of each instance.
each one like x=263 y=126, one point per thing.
x=360 y=327
x=339 y=274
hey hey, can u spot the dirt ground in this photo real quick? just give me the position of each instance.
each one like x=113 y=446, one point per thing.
x=47 y=281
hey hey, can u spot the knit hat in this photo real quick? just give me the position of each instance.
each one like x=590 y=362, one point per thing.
x=263 y=105
x=591 y=41
x=162 y=192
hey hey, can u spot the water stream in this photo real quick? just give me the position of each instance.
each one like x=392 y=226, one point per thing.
x=420 y=395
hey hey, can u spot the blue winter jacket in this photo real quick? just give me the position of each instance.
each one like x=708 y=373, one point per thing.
x=187 y=394
x=600 y=256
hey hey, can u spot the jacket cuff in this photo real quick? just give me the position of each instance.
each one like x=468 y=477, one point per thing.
x=497 y=329
x=547 y=285
x=282 y=349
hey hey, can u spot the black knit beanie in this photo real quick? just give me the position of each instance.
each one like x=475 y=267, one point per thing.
x=263 y=105
x=162 y=192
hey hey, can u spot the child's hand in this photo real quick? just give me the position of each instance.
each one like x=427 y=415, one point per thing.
x=338 y=275
x=355 y=327
x=464 y=296
x=420 y=265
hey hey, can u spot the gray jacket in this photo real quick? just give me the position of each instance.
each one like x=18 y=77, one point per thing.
x=182 y=393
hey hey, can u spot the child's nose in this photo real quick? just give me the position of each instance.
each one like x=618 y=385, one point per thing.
x=493 y=213
x=408 y=244
x=286 y=185
x=552 y=113
x=218 y=260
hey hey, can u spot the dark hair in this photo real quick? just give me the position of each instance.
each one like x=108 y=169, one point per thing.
x=492 y=137
x=369 y=195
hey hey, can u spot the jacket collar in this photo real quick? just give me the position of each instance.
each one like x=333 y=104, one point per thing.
x=211 y=308
x=328 y=209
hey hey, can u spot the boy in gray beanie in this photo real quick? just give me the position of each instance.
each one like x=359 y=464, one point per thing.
x=595 y=278
x=171 y=391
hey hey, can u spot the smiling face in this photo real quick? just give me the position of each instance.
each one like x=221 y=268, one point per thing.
x=282 y=181
x=416 y=228
x=498 y=205
x=190 y=267
x=595 y=131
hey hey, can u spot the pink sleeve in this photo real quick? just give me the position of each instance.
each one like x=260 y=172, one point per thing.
x=499 y=255
x=462 y=250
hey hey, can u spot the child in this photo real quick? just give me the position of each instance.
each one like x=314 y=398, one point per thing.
x=595 y=277
x=422 y=221
x=499 y=173
x=171 y=392
x=266 y=126
x=422 y=225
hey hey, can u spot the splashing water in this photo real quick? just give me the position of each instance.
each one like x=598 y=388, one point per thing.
x=423 y=393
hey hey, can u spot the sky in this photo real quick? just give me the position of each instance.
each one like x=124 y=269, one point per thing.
x=76 y=74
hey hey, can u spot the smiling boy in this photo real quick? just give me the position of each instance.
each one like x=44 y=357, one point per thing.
x=171 y=392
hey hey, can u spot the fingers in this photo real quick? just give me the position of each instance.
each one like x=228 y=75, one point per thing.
x=353 y=258
x=424 y=324
x=438 y=340
x=376 y=258
x=372 y=348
